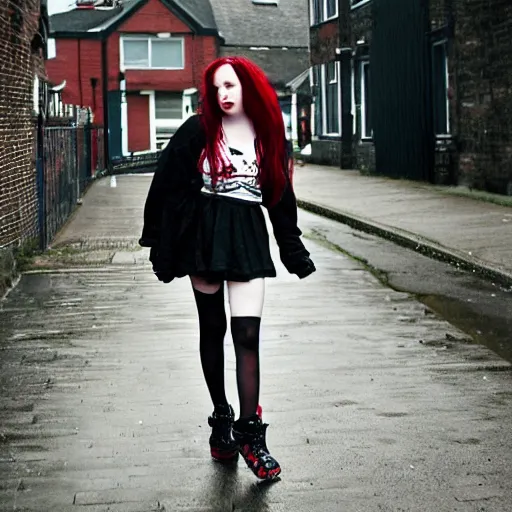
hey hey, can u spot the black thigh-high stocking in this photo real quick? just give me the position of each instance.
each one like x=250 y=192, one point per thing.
x=212 y=330
x=246 y=337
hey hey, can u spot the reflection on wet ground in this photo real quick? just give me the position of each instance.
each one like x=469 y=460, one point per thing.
x=374 y=401
x=480 y=308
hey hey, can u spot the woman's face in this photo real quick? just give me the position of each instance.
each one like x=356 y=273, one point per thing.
x=229 y=90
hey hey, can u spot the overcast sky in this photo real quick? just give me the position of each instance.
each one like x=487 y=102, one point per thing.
x=55 y=6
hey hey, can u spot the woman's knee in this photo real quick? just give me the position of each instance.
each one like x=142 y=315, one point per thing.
x=245 y=331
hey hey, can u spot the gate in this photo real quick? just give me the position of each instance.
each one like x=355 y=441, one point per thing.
x=400 y=89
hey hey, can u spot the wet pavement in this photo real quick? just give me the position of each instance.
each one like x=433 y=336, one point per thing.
x=375 y=403
x=475 y=234
x=481 y=308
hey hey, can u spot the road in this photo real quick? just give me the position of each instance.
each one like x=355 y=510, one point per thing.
x=375 y=402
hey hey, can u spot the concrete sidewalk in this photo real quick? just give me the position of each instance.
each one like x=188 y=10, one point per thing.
x=374 y=403
x=471 y=234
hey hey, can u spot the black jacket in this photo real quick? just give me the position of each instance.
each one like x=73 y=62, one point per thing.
x=177 y=178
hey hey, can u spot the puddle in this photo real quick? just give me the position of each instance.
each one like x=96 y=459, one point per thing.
x=493 y=331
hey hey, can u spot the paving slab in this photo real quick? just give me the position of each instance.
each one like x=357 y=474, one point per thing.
x=463 y=230
x=373 y=404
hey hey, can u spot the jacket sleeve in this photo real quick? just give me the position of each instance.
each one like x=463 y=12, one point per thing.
x=283 y=216
x=160 y=186
x=168 y=181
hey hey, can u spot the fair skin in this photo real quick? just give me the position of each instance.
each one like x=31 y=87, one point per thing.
x=245 y=299
x=238 y=128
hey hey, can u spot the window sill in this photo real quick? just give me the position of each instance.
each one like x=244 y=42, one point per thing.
x=359 y=5
x=152 y=69
x=334 y=137
x=320 y=23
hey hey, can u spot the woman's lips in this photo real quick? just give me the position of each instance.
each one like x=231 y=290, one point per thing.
x=227 y=105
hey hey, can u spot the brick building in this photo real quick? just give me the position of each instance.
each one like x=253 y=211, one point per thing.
x=273 y=34
x=138 y=59
x=23 y=25
x=416 y=89
x=143 y=59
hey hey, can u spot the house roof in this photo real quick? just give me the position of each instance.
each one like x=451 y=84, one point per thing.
x=83 y=20
x=200 y=10
x=244 y=23
x=281 y=66
x=86 y=22
x=239 y=22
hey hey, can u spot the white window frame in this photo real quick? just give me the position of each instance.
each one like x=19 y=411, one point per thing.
x=364 y=136
x=448 y=134
x=359 y=4
x=324 y=13
x=149 y=40
x=323 y=86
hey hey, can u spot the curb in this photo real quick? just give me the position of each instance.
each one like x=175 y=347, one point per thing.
x=412 y=241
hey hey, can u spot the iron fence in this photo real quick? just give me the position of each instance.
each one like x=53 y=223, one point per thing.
x=145 y=162
x=71 y=155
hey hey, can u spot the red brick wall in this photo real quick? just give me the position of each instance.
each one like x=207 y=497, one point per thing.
x=77 y=61
x=324 y=39
x=138 y=123
x=199 y=51
x=19 y=65
x=152 y=18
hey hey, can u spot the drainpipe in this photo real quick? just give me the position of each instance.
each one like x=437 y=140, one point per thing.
x=344 y=56
x=104 y=93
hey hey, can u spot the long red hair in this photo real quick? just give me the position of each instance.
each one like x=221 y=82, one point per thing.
x=262 y=108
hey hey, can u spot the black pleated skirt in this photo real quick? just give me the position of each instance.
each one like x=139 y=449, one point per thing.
x=223 y=239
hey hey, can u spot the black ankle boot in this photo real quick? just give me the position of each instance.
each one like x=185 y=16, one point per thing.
x=222 y=446
x=249 y=433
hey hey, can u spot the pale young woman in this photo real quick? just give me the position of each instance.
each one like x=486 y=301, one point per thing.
x=203 y=219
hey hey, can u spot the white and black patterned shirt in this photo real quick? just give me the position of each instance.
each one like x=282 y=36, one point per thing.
x=240 y=181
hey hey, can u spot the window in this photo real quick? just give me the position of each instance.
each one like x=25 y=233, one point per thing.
x=326 y=99
x=440 y=89
x=317 y=100
x=168 y=105
x=331 y=99
x=323 y=10
x=168 y=115
x=331 y=8
x=366 y=117
x=316 y=11
x=152 y=53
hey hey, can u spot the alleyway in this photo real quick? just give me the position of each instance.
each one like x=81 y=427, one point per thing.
x=104 y=407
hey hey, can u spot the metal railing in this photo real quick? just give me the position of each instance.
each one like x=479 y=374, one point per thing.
x=145 y=162
x=71 y=156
